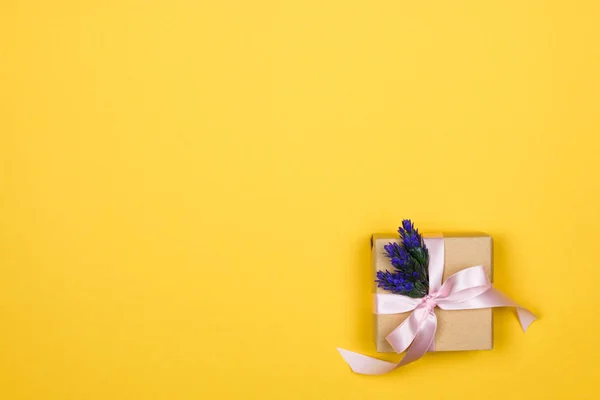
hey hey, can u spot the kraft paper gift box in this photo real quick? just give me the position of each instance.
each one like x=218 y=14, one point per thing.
x=457 y=329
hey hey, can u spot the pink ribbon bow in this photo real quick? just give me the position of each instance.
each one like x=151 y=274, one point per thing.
x=465 y=290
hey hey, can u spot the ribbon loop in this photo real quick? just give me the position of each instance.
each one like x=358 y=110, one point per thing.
x=464 y=285
x=402 y=337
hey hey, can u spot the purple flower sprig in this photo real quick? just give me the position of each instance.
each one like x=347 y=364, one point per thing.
x=410 y=260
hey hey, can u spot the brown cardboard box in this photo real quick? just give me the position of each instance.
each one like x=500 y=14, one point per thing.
x=457 y=330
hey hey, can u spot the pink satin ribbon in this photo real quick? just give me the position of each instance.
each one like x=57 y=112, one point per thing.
x=465 y=290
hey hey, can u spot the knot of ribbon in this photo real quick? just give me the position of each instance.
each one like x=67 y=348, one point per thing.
x=429 y=302
x=467 y=289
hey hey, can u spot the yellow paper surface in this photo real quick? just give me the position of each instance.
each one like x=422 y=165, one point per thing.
x=188 y=189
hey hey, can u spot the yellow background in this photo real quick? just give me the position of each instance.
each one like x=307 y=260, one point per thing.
x=188 y=189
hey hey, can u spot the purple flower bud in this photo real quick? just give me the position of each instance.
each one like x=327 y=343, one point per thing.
x=410 y=260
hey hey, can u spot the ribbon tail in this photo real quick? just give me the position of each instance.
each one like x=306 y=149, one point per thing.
x=366 y=365
x=498 y=299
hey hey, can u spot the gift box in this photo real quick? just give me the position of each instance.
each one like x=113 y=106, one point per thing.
x=432 y=293
x=456 y=329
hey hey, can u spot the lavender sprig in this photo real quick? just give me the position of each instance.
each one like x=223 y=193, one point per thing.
x=410 y=260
